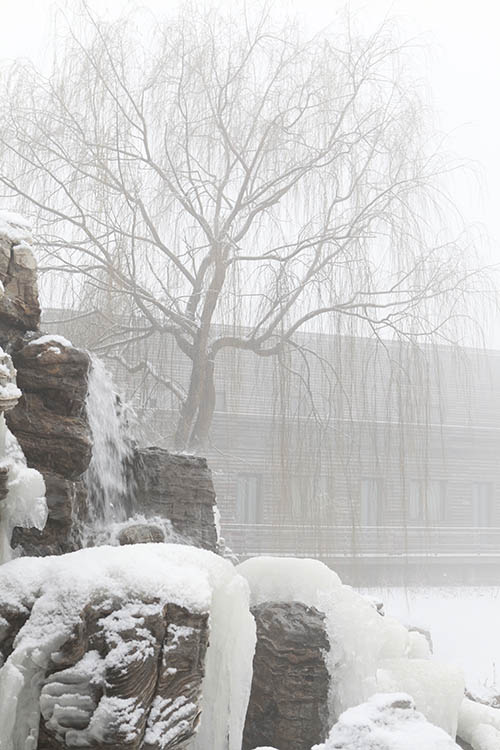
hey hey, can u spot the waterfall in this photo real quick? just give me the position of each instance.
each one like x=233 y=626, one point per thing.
x=107 y=478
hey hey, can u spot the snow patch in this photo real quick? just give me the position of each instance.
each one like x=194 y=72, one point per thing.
x=386 y=722
x=15 y=228
x=51 y=338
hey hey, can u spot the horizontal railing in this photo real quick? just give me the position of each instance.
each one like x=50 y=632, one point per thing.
x=248 y=540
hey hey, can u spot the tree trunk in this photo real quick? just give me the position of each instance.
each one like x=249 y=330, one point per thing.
x=197 y=410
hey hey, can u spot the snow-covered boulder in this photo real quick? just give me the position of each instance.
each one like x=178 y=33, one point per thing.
x=19 y=306
x=386 y=722
x=107 y=647
x=368 y=653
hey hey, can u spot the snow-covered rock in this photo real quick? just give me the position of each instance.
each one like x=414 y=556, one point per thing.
x=368 y=653
x=22 y=489
x=386 y=722
x=107 y=645
x=19 y=306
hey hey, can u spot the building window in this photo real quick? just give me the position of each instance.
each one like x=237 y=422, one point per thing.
x=220 y=399
x=482 y=503
x=371 y=501
x=248 y=498
x=427 y=501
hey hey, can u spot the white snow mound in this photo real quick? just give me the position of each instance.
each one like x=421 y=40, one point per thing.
x=386 y=722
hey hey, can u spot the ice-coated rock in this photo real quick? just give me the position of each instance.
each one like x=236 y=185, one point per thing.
x=48 y=419
x=368 y=653
x=22 y=489
x=479 y=725
x=51 y=425
x=107 y=647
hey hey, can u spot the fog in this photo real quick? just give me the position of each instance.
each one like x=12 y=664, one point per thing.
x=250 y=271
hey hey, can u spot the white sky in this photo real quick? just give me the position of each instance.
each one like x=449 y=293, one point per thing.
x=463 y=71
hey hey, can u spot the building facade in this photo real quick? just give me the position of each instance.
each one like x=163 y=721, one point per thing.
x=368 y=454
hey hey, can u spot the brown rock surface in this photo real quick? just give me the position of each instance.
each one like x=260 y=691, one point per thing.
x=288 y=706
x=51 y=425
x=128 y=675
x=19 y=306
x=178 y=488
x=66 y=502
x=141 y=533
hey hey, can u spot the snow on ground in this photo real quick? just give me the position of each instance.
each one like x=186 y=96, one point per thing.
x=464 y=624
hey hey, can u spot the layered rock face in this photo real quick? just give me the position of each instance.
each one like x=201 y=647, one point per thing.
x=130 y=674
x=288 y=705
x=19 y=307
x=49 y=420
x=95 y=655
x=179 y=488
x=51 y=425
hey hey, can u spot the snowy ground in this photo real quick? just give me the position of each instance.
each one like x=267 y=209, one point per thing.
x=464 y=624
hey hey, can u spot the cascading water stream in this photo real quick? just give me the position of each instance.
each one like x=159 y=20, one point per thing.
x=110 y=492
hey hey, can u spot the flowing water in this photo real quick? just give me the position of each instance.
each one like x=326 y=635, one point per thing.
x=110 y=498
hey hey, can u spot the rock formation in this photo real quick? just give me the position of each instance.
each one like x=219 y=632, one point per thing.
x=96 y=654
x=288 y=705
x=51 y=426
x=179 y=488
x=49 y=420
x=19 y=306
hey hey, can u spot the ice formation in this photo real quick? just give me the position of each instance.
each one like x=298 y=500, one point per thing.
x=369 y=653
x=112 y=450
x=386 y=722
x=479 y=725
x=24 y=501
x=53 y=590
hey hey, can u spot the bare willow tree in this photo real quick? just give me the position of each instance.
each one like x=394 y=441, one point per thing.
x=216 y=171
